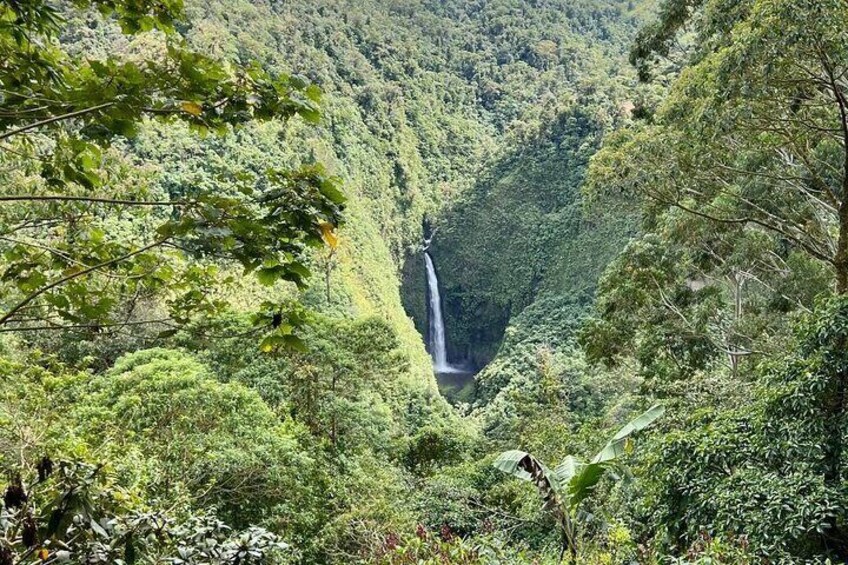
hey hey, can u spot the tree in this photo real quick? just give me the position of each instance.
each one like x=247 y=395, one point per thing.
x=217 y=442
x=754 y=134
x=755 y=131
x=572 y=481
x=691 y=295
x=85 y=241
x=762 y=469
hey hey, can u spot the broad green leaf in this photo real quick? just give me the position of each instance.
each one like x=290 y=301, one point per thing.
x=572 y=481
x=569 y=467
x=271 y=342
x=267 y=276
x=580 y=486
x=295 y=343
x=617 y=445
x=509 y=462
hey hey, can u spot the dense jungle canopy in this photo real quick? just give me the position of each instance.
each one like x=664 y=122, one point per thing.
x=423 y=282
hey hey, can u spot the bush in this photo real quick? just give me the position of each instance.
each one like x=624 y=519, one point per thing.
x=769 y=472
x=218 y=443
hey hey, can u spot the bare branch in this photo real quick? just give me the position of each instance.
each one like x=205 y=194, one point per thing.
x=61 y=327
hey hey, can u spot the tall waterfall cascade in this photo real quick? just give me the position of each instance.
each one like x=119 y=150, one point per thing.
x=438 y=346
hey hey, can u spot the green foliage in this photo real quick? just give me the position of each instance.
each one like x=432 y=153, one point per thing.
x=769 y=471
x=373 y=427
x=351 y=384
x=479 y=121
x=572 y=481
x=70 y=512
x=657 y=39
x=549 y=323
x=443 y=546
x=432 y=446
x=740 y=186
x=165 y=408
x=84 y=238
x=647 y=308
x=738 y=157
x=524 y=212
x=740 y=178
x=541 y=391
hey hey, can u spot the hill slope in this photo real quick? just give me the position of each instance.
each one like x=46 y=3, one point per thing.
x=477 y=115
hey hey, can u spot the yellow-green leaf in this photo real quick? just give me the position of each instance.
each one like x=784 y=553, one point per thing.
x=329 y=233
x=192 y=108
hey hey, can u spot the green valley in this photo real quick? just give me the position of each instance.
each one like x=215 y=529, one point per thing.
x=423 y=282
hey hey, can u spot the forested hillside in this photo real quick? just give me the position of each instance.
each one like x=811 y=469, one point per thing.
x=214 y=305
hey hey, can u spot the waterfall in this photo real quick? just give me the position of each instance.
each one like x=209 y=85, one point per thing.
x=438 y=348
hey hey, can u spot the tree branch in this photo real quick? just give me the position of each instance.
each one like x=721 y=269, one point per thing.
x=6 y=317
x=54 y=119
x=116 y=201
x=745 y=220
x=60 y=327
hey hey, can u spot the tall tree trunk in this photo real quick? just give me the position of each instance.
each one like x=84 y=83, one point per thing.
x=834 y=537
x=840 y=261
x=836 y=404
x=835 y=408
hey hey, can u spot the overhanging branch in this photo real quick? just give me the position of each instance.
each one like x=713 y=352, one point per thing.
x=10 y=314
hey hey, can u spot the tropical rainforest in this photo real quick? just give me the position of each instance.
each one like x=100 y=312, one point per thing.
x=423 y=282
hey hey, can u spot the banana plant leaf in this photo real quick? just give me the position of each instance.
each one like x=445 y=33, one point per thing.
x=581 y=478
x=618 y=444
x=569 y=467
x=572 y=481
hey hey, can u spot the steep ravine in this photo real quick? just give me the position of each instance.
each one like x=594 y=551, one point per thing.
x=525 y=212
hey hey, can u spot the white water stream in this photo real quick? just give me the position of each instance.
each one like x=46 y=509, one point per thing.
x=438 y=347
